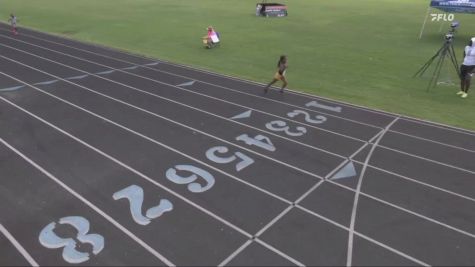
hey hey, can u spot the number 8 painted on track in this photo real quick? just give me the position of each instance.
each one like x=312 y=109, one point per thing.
x=49 y=239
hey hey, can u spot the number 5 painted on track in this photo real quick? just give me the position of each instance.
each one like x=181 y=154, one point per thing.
x=245 y=160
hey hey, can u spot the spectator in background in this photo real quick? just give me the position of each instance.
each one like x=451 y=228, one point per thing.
x=211 y=39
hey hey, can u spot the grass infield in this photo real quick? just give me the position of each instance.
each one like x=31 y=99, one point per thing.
x=359 y=51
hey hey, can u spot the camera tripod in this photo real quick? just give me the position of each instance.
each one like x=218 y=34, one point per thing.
x=447 y=50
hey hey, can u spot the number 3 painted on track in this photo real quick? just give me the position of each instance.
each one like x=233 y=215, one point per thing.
x=49 y=239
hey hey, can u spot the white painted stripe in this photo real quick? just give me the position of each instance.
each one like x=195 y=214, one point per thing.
x=426 y=159
x=377 y=243
x=119 y=162
x=209 y=213
x=184 y=89
x=382 y=201
x=88 y=203
x=170 y=120
x=421 y=183
x=310 y=96
x=294 y=261
x=313 y=147
x=432 y=141
x=17 y=245
x=349 y=261
x=129 y=168
x=235 y=253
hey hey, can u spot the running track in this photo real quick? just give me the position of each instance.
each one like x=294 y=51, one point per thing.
x=108 y=158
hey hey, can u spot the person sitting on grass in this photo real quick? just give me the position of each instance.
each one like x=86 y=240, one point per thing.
x=467 y=68
x=211 y=39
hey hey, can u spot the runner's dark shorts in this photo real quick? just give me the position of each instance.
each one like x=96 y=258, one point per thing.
x=466 y=70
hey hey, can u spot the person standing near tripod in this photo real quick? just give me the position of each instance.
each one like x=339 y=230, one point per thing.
x=467 y=68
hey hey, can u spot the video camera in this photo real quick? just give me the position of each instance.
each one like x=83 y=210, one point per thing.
x=453 y=29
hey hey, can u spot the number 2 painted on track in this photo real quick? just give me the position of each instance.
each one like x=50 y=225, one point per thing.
x=319 y=119
x=135 y=195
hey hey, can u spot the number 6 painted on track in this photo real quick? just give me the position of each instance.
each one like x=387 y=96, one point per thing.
x=195 y=173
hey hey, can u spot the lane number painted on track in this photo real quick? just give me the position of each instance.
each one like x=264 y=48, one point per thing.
x=319 y=119
x=135 y=195
x=323 y=106
x=172 y=175
x=281 y=126
x=259 y=140
x=49 y=239
x=244 y=162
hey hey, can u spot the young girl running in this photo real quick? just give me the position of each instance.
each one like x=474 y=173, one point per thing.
x=280 y=74
x=13 y=21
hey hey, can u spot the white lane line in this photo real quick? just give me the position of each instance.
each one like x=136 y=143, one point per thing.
x=160 y=143
x=153 y=141
x=426 y=159
x=294 y=261
x=191 y=203
x=433 y=141
x=421 y=183
x=375 y=242
x=313 y=188
x=439 y=125
x=271 y=194
x=88 y=203
x=193 y=69
x=173 y=101
x=301 y=143
x=191 y=91
x=235 y=253
x=119 y=51
x=143 y=176
x=172 y=121
x=135 y=171
x=444 y=225
x=349 y=261
x=17 y=245
x=331 y=173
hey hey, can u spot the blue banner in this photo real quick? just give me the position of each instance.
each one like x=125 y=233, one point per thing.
x=454 y=6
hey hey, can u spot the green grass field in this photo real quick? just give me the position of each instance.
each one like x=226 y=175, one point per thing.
x=359 y=51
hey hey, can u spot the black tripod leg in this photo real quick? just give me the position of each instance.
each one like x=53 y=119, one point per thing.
x=438 y=68
x=423 y=69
